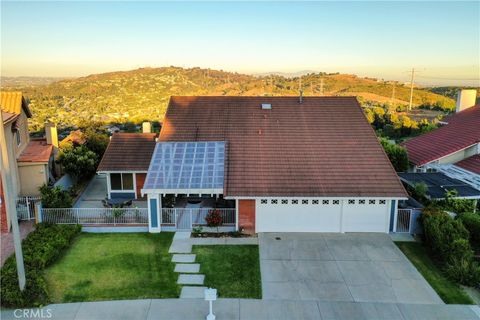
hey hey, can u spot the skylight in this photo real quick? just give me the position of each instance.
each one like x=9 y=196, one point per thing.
x=186 y=167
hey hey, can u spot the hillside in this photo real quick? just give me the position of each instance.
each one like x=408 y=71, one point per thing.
x=143 y=93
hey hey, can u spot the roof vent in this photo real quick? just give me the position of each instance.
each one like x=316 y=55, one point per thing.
x=266 y=106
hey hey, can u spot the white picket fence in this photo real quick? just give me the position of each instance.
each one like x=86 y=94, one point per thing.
x=95 y=216
x=187 y=218
x=26 y=207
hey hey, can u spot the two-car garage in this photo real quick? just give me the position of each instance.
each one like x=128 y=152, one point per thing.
x=321 y=215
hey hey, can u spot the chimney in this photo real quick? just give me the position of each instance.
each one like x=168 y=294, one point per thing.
x=300 y=98
x=51 y=134
x=146 y=127
x=466 y=98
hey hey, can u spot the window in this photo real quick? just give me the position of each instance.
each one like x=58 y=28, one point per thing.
x=274 y=201
x=314 y=201
x=382 y=202
x=336 y=201
x=371 y=201
x=361 y=201
x=325 y=201
x=284 y=201
x=121 y=181
x=263 y=201
x=18 y=137
x=294 y=201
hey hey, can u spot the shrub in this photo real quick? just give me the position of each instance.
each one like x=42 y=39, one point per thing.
x=398 y=155
x=55 y=197
x=214 y=219
x=79 y=162
x=41 y=248
x=471 y=221
x=453 y=203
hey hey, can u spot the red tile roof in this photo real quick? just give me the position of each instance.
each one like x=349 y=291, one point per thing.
x=322 y=147
x=471 y=164
x=462 y=131
x=36 y=151
x=12 y=104
x=128 y=152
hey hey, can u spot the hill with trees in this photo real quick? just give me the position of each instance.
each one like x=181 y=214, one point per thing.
x=143 y=94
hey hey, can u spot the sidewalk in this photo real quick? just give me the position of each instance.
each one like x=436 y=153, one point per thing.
x=241 y=309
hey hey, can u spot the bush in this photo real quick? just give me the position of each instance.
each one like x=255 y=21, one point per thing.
x=471 y=221
x=41 y=248
x=398 y=155
x=214 y=219
x=79 y=162
x=55 y=197
x=453 y=203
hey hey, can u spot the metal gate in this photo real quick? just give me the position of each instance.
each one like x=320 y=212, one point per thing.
x=26 y=207
x=404 y=220
x=183 y=219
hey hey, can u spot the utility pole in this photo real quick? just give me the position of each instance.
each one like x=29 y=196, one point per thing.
x=411 y=90
x=10 y=205
x=321 y=86
x=393 y=95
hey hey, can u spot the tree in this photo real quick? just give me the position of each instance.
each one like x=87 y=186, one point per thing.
x=79 y=162
x=96 y=142
x=398 y=155
x=55 y=197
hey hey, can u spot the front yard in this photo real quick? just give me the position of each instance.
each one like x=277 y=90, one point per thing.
x=114 y=266
x=448 y=290
x=234 y=270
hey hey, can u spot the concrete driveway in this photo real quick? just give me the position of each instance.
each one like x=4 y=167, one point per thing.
x=339 y=267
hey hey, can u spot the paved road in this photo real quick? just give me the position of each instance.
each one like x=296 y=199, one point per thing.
x=232 y=309
x=339 y=267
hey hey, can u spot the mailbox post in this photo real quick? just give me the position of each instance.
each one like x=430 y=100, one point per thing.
x=210 y=296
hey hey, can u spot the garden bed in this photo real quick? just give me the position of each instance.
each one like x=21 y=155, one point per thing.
x=233 y=234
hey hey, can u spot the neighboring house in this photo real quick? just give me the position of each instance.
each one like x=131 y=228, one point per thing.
x=31 y=160
x=126 y=162
x=454 y=148
x=288 y=164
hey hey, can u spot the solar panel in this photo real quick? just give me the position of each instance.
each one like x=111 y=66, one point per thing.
x=187 y=166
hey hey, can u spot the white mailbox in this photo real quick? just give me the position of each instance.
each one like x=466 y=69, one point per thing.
x=210 y=296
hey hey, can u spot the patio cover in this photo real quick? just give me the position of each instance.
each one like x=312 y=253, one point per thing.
x=438 y=184
x=186 y=168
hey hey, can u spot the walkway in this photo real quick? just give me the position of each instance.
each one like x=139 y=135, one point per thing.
x=7 y=239
x=242 y=309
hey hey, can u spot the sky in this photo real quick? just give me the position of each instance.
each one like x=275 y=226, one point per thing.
x=441 y=40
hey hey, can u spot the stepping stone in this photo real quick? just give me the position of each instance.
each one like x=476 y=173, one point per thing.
x=192 y=292
x=183 y=258
x=181 y=235
x=187 y=267
x=191 y=278
x=180 y=247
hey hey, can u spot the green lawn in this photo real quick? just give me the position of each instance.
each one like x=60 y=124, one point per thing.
x=234 y=270
x=450 y=292
x=114 y=266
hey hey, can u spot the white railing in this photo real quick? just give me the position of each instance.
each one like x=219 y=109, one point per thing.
x=89 y=216
x=26 y=207
x=404 y=219
x=187 y=218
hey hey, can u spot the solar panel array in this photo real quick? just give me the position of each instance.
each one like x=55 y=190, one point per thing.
x=187 y=165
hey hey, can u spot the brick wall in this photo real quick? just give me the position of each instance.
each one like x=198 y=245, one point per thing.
x=246 y=215
x=3 y=212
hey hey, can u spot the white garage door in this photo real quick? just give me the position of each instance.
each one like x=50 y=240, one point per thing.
x=302 y=215
x=314 y=216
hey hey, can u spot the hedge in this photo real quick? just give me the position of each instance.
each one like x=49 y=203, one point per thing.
x=41 y=248
x=471 y=221
x=448 y=241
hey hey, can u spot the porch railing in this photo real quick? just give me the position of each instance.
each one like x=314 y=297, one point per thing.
x=187 y=218
x=26 y=207
x=89 y=216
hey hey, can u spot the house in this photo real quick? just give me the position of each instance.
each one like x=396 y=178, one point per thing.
x=282 y=164
x=454 y=148
x=32 y=160
x=125 y=163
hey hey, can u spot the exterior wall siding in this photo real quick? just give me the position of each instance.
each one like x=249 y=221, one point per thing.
x=32 y=177
x=246 y=215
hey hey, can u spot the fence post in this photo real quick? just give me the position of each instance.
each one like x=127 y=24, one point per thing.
x=38 y=212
